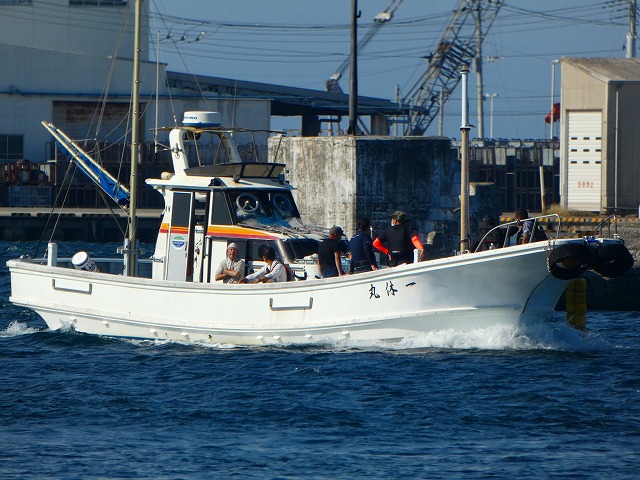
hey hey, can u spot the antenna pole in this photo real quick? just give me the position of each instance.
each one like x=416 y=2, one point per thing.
x=353 y=71
x=130 y=250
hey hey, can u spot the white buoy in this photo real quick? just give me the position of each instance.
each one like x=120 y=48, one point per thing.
x=82 y=261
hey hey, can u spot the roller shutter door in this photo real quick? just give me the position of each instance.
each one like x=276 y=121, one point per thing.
x=584 y=157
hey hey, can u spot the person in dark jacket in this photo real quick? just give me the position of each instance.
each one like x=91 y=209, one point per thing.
x=495 y=240
x=329 y=251
x=399 y=240
x=361 y=247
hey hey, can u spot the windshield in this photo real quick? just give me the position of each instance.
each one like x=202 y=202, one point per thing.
x=265 y=207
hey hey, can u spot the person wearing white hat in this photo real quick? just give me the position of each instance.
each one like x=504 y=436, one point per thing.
x=231 y=269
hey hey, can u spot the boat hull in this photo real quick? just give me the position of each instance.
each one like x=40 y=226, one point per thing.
x=465 y=292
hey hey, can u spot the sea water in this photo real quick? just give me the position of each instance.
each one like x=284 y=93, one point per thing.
x=541 y=403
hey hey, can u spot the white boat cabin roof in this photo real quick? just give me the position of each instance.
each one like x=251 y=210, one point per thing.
x=237 y=176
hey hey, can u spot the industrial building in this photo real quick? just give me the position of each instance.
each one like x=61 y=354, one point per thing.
x=63 y=67
x=600 y=134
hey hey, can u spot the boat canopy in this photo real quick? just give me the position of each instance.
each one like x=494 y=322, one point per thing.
x=238 y=170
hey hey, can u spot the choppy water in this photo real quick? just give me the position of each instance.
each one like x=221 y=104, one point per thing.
x=495 y=403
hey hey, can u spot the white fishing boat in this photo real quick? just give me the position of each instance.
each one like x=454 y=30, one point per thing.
x=174 y=296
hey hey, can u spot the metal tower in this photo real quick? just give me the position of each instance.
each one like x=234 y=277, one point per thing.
x=459 y=45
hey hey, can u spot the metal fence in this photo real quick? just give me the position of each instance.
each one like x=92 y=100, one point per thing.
x=29 y=196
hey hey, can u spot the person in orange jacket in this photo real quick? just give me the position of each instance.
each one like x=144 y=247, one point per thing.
x=399 y=240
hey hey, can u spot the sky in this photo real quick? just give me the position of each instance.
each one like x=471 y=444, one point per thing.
x=300 y=43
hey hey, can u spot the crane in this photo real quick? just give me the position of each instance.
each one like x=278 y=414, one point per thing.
x=332 y=85
x=460 y=45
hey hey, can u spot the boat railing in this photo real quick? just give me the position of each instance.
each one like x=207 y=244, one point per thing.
x=504 y=232
x=606 y=223
x=112 y=266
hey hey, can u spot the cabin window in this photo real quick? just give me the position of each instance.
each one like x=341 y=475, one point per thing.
x=282 y=205
x=300 y=248
x=181 y=210
x=200 y=208
x=249 y=204
x=220 y=214
x=256 y=249
x=209 y=150
x=255 y=204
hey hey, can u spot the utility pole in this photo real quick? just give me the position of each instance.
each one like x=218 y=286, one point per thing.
x=353 y=71
x=478 y=67
x=631 y=34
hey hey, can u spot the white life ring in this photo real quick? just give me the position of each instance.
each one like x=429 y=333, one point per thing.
x=247 y=203
x=282 y=205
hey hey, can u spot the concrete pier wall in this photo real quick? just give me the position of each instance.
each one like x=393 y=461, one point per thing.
x=343 y=178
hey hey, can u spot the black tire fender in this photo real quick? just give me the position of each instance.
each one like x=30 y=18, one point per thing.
x=612 y=260
x=567 y=262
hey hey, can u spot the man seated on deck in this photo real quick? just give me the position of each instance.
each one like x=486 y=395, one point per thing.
x=231 y=269
x=273 y=272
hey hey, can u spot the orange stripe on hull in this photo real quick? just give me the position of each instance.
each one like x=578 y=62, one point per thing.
x=218 y=231
x=238 y=232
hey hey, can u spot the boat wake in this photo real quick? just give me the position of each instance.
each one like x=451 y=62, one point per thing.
x=538 y=337
x=548 y=337
x=16 y=328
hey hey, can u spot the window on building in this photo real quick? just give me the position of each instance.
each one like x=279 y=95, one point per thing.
x=98 y=3
x=16 y=2
x=11 y=147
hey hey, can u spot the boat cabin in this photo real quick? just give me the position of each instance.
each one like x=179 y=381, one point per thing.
x=209 y=206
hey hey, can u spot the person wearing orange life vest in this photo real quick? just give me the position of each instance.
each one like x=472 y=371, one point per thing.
x=399 y=240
